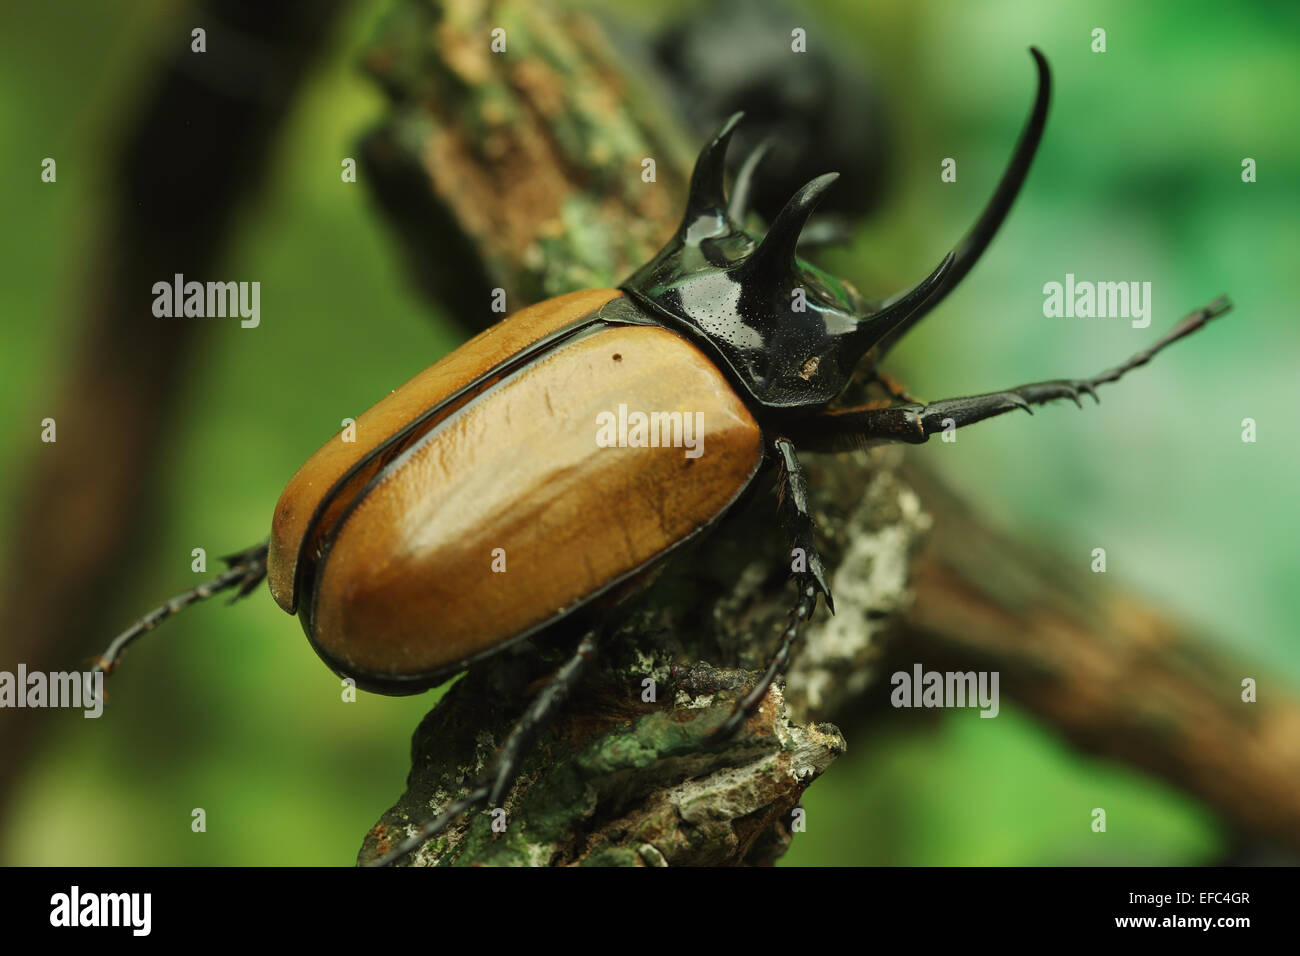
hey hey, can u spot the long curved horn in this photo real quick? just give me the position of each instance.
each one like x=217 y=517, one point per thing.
x=971 y=247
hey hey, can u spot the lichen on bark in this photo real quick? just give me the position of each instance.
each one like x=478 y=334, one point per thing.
x=455 y=167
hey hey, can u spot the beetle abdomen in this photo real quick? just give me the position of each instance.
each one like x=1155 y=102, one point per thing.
x=314 y=484
x=514 y=509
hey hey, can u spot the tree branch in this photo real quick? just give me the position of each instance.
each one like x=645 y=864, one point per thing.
x=1114 y=676
x=522 y=171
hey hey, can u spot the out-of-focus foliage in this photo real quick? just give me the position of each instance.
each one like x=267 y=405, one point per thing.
x=1138 y=179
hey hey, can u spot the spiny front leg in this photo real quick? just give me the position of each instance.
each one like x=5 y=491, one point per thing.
x=806 y=566
x=792 y=503
x=914 y=423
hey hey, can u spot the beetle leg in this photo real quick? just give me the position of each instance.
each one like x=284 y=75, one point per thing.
x=802 y=611
x=792 y=501
x=809 y=575
x=842 y=429
x=502 y=771
x=543 y=707
x=431 y=828
x=245 y=571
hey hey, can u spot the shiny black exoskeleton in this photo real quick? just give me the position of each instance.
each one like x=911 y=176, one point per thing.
x=791 y=334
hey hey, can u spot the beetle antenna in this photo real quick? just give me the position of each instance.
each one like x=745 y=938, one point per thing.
x=775 y=254
x=972 y=246
x=246 y=570
x=706 y=197
x=738 y=205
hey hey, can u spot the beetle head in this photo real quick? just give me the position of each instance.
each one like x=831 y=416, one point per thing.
x=790 y=333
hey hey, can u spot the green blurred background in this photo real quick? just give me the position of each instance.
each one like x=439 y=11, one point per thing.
x=1138 y=178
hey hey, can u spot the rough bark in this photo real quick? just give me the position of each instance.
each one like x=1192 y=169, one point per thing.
x=522 y=172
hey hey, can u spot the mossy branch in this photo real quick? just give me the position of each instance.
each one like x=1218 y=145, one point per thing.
x=522 y=171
